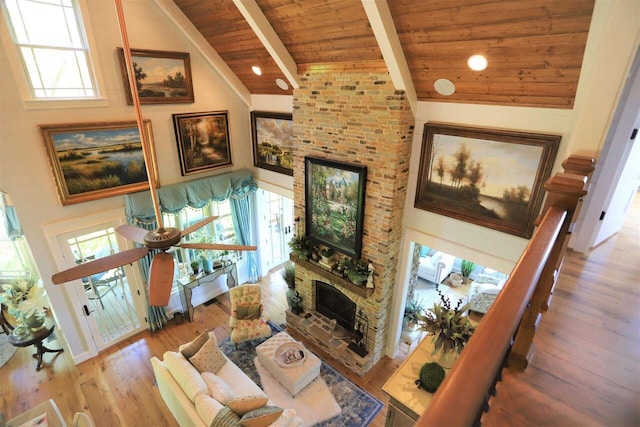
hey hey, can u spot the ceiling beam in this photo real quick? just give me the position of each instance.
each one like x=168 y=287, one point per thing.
x=386 y=35
x=267 y=35
x=173 y=12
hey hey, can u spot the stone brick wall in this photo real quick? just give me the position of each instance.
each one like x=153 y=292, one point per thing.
x=358 y=118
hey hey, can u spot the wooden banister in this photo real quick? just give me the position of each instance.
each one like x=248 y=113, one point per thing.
x=462 y=397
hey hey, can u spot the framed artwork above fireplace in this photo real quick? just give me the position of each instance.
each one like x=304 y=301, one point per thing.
x=334 y=204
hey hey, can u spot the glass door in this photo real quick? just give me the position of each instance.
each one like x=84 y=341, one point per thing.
x=112 y=302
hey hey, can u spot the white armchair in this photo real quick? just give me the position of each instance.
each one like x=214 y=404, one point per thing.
x=483 y=291
x=435 y=268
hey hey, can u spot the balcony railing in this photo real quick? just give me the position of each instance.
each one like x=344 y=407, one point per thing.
x=506 y=332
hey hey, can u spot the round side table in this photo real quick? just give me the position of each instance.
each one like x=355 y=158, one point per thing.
x=35 y=338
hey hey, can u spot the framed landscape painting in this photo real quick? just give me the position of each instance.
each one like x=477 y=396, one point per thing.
x=91 y=161
x=272 y=135
x=334 y=204
x=161 y=77
x=203 y=141
x=490 y=177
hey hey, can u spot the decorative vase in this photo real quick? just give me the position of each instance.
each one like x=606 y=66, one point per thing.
x=446 y=358
x=35 y=321
x=206 y=264
x=291 y=295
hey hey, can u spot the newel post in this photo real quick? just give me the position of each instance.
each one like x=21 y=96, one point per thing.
x=564 y=191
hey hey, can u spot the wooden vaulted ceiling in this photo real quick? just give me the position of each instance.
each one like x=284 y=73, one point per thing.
x=534 y=47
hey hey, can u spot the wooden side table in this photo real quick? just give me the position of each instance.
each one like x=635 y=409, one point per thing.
x=36 y=338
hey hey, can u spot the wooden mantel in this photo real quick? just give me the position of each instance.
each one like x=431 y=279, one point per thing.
x=362 y=291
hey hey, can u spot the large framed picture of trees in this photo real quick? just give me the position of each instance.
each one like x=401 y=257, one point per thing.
x=334 y=204
x=272 y=135
x=489 y=177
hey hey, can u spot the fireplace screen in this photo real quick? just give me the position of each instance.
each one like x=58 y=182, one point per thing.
x=333 y=304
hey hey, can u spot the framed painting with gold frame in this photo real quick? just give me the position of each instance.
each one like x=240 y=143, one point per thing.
x=91 y=161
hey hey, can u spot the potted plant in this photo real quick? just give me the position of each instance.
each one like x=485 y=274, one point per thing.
x=451 y=329
x=24 y=299
x=412 y=310
x=195 y=267
x=326 y=253
x=289 y=276
x=357 y=271
x=466 y=268
x=300 y=246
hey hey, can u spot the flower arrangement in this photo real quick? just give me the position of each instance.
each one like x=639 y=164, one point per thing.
x=22 y=297
x=450 y=326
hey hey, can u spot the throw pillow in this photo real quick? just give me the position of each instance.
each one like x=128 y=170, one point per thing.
x=261 y=417
x=248 y=311
x=207 y=408
x=218 y=388
x=242 y=405
x=185 y=374
x=226 y=418
x=192 y=347
x=209 y=358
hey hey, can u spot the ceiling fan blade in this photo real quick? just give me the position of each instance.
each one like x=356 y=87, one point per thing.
x=101 y=264
x=197 y=225
x=135 y=234
x=160 y=279
x=217 y=246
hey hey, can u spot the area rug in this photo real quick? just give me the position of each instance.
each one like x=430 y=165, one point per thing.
x=358 y=407
x=6 y=350
x=313 y=404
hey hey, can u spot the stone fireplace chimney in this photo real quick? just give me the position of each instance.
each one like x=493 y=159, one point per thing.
x=358 y=118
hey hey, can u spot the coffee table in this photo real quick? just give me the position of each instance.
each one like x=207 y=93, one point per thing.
x=294 y=376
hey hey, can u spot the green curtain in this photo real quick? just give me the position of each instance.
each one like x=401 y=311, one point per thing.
x=237 y=186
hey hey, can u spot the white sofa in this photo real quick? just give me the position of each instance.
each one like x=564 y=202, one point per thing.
x=436 y=267
x=180 y=383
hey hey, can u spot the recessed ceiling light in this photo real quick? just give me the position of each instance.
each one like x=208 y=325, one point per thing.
x=444 y=87
x=477 y=62
x=256 y=70
x=282 y=84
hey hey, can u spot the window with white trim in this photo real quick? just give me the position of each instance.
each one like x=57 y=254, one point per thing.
x=52 y=44
x=219 y=231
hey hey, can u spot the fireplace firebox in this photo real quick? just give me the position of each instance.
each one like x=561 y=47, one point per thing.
x=332 y=303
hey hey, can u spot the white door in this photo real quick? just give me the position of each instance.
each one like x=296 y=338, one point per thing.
x=275 y=216
x=112 y=305
x=617 y=176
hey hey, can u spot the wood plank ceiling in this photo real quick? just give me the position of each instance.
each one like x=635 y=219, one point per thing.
x=534 y=47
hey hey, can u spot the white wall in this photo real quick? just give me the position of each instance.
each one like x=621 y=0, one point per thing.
x=24 y=168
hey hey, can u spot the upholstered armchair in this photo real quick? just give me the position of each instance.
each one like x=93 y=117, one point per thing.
x=436 y=267
x=483 y=291
x=249 y=320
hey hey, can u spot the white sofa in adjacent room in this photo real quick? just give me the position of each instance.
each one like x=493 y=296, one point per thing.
x=436 y=266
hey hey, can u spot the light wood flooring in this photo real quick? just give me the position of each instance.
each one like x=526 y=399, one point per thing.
x=585 y=371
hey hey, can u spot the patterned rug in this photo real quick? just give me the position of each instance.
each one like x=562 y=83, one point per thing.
x=358 y=407
x=6 y=350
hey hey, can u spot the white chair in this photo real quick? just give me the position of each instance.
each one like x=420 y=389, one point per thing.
x=483 y=291
x=80 y=419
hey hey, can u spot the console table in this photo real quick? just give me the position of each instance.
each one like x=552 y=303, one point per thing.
x=406 y=401
x=187 y=285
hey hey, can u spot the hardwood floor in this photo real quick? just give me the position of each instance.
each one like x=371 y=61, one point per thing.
x=585 y=371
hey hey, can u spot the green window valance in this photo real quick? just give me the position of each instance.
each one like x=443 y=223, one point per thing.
x=196 y=194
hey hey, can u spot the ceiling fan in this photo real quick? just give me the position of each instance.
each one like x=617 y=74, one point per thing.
x=163 y=238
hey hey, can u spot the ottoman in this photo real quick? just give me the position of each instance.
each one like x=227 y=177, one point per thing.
x=293 y=378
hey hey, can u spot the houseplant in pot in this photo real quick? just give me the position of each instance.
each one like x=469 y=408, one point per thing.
x=289 y=277
x=466 y=268
x=451 y=329
x=412 y=310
